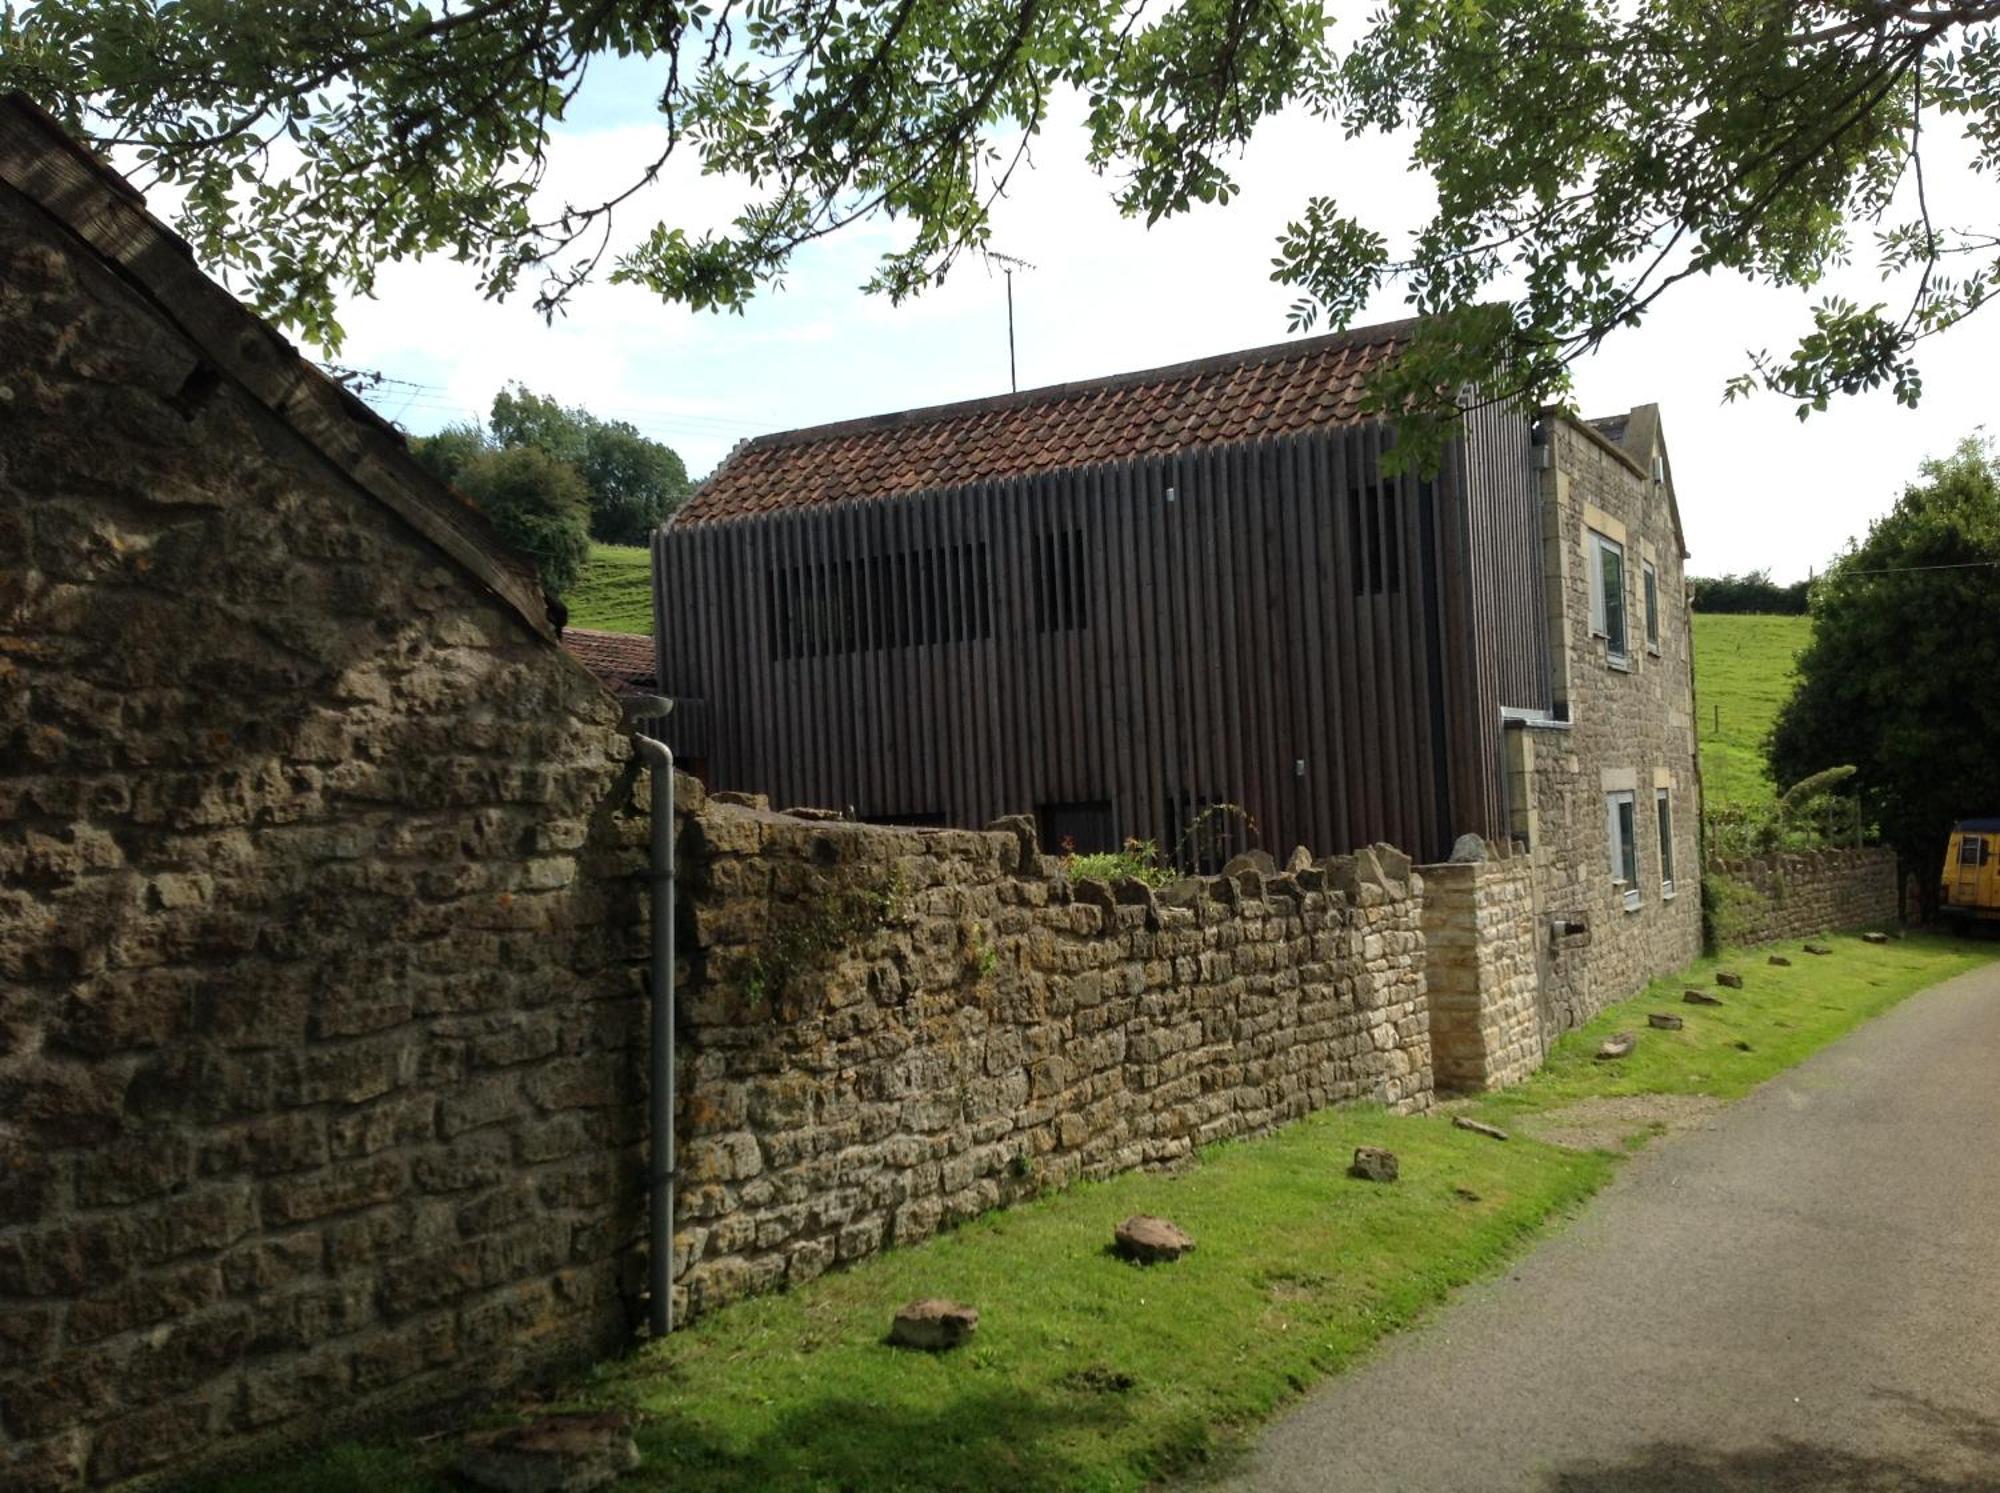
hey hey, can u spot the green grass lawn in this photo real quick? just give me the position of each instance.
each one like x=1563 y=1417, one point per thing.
x=616 y=592
x=1090 y=1373
x=1743 y=671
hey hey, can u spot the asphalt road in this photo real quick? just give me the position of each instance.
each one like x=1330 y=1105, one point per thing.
x=1805 y=1294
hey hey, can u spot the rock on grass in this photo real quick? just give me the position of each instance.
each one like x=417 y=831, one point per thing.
x=1151 y=1240
x=1373 y=1164
x=933 y=1325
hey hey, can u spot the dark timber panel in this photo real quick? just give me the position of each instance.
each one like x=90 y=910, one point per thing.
x=1161 y=636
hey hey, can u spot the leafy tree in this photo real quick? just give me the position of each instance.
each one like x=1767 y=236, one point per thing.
x=538 y=505
x=1589 y=155
x=634 y=482
x=446 y=453
x=1753 y=591
x=1899 y=677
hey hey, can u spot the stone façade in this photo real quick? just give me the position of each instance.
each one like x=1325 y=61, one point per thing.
x=319 y=1009
x=1619 y=727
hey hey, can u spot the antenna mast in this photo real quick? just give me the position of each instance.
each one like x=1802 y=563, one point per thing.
x=1008 y=264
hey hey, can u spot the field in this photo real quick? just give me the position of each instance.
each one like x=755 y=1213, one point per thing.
x=1743 y=670
x=616 y=592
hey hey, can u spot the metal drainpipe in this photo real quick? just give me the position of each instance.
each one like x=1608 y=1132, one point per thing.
x=660 y=1092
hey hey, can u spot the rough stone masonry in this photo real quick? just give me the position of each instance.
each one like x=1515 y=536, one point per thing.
x=890 y=1030
x=320 y=1018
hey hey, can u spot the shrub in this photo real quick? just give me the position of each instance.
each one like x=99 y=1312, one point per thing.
x=539 y=506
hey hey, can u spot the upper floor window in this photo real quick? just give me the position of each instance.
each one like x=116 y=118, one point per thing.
x=825 y=607
x=1607 y=595
x=1652 y=577
x=1062 y=602
x=1374 y=545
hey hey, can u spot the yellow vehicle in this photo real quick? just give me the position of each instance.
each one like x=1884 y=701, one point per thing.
x=1970 y=886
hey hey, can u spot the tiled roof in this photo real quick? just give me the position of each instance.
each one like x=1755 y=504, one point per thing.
x=1291 y=386
x=622 y=660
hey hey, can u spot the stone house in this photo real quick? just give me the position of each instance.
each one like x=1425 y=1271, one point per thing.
x=1118 y=604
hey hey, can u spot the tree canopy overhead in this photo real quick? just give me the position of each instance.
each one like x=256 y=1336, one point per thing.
x=1589 y=154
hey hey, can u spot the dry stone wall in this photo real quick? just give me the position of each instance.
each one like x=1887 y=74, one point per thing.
x=1481 y=974
x=1795 y=894
x=888 y=1030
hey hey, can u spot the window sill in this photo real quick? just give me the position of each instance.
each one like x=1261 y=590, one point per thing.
x=1621 y=662
x=1667 y=892
x=1630 y=896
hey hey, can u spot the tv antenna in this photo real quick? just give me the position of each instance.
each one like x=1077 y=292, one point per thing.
x=1008 y=264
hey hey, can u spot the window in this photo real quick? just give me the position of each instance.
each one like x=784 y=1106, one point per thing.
x=1607 y=595
x=1620 y=825
x=1652 y=578
x=1664 y=806
x=1374 y=540
x=827 y=607
x=1077 y=828
x=1971 y=850
x=1061 y=602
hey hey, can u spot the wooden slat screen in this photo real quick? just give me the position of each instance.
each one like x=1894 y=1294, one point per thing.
x=1260 y=625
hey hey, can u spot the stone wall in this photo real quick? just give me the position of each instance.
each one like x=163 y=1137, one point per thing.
x=1481 y=973
x=1792 y=895
x=888 y=1030
x=320 y=942
x=1626 y=726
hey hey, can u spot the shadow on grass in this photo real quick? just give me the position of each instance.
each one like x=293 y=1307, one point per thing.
x=1007 y=1441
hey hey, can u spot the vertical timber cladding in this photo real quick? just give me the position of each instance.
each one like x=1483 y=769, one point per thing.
x=1500 y=600
x=1159 y=635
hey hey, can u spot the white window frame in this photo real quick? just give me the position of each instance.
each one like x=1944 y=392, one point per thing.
x=1617 y=651
x=1663 y=816
x=1622 y=838
x=1650 y=581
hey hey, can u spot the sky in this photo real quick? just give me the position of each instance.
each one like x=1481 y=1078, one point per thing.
x=1758 y=488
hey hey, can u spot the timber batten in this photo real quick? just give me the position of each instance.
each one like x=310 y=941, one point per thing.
x=1271 y=624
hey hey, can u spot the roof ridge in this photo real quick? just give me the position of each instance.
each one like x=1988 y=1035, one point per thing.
x=1271 y=352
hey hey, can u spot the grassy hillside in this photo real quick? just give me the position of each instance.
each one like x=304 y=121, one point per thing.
x=1743 y=670
x=616 y=592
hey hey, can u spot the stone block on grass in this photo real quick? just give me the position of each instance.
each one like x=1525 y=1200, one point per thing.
x=1151 y=1240
x=1729 y=979
x=1664 y=1021
x=1374 y=1164
x=933 y=1325
x=1617 y=1045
